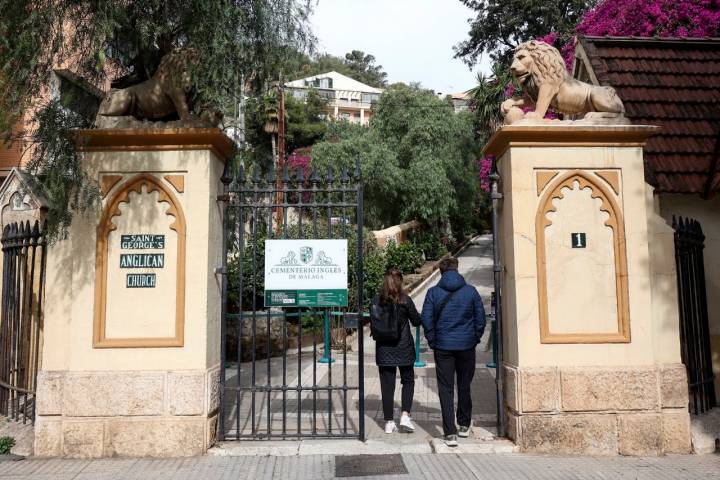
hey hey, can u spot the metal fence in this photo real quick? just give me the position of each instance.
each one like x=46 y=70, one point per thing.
x=23 y=271
x=280 y=379
x=692 y=302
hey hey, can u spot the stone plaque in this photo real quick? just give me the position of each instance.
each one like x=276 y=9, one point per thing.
x=141 y=267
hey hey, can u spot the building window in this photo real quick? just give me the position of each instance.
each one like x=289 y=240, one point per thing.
x=370 y=97
x=326 y=82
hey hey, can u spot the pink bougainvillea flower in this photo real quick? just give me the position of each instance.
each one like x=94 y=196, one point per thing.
x=509 y=90
x=485 y=164
x=648 y=18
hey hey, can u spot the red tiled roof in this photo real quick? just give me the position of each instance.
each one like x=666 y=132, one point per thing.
x=673 y=83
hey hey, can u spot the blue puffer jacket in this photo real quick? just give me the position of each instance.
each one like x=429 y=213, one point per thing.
x=462 y=322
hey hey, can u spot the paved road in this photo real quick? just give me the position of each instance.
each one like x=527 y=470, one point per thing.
x=428 y=466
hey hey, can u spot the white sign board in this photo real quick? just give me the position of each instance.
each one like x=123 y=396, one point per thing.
x=306 y=273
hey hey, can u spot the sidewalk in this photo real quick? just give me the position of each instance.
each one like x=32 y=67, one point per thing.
x=427 y=466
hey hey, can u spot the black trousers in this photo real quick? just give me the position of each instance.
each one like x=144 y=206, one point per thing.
x=448 y=364
x=387 y=388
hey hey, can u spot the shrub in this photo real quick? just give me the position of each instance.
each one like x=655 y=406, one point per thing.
x=6 y=444
x=233 y=280
x=430 y=244
x=406 y=257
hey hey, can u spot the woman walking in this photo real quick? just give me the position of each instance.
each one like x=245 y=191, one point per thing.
x=391 y=355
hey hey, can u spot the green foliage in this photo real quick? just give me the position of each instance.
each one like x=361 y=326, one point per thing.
x=56 y=169
x=253 y=285
x=486 y=98
x=406 y=256
x=363 y=69
x=429 y=244
x=6 y=444
x=374 y=267
x=417 y=158
x=500 y=25
x=345 y=145
x=356 y=64
x=239 y=42
x=311 y=321
x=304 y=124
x=305 y=120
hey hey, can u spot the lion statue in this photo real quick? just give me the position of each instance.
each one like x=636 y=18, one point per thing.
x=164 y=96
x=540 y=70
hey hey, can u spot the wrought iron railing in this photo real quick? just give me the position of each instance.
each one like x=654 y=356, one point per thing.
x=293 y=390
x=692 y=303
x=23 y=272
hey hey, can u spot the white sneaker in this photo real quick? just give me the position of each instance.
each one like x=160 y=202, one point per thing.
x=406 y=424
x=464 y=432
x=390 y=426
x=450 y=440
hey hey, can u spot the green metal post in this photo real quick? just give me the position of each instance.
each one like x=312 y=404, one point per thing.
x=493 y=336
x=326 y=355
x=418 y=362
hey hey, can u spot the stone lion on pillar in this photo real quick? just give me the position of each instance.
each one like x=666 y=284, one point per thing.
x=540 y=70
x=164 y=96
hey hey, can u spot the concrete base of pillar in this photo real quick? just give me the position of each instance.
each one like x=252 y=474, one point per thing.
x=598 y=410
x=126 y=414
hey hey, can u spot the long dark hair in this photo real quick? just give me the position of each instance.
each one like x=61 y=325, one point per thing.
x=392 y=287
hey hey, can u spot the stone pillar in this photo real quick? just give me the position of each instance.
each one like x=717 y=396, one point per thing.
x=131 y=352
x=592 y=352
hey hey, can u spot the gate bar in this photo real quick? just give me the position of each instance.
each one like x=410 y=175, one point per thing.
x=497 y=270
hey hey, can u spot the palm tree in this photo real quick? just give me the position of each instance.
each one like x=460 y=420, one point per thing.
x=486 y=97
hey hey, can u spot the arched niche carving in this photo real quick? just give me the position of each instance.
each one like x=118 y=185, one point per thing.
x=106 y=225
x=616 y=224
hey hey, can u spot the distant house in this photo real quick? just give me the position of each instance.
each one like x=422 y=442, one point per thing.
x=460 y=101
x=674 y=83
x=347 y=98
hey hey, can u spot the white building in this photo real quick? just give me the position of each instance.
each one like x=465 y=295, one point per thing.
x=348 y=99
x=460 y=101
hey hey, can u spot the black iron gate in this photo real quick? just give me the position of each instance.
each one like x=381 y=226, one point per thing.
x=289 y=372
x=692 y=301
x=23 y=272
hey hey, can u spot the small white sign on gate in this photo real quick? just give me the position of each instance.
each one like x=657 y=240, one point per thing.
x=306 y=273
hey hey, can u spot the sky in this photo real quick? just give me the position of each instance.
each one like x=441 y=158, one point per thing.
x=411 y=39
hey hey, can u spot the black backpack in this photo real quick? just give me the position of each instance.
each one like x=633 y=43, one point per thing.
x=384 y=322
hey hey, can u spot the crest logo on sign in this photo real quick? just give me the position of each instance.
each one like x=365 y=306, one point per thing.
x=306 y=255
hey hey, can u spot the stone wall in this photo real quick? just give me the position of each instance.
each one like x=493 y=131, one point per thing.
x=599 y=410
x=108 y=414
x=397 y=233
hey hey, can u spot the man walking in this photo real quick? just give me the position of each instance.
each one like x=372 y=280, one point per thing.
x=453 y=318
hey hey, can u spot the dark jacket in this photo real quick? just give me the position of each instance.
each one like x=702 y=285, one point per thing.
x=402 y=352
x=461 y=323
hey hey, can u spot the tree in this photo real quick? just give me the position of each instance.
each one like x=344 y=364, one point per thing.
x=304 y=120
x=363 y=69
x=356 y=64
x=123 y=42
x=418 y=159
x=500 y=25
